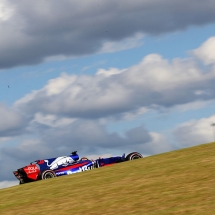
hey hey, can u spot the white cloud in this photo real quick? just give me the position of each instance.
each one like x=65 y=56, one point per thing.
x=134 y=114
x=5 y=184
x=109 y=72
x=58 y=85
x=51 y=120
x=195 y=132
x=196 y=105
x=6 y=10
x=93 y=65
x=158 y=144
x=127 y=43
x=59 y=57
x=154 y=82
x=11 y=123
x=206 y=51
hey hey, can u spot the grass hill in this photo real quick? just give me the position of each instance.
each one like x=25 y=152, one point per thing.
x=178 y=182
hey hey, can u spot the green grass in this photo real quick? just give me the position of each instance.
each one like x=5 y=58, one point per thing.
x=178 y=182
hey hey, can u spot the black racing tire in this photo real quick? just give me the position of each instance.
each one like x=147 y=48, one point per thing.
x=133 y=156
x=47 y=174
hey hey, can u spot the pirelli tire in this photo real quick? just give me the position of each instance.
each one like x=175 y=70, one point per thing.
x=47 y=174
x=133 y=156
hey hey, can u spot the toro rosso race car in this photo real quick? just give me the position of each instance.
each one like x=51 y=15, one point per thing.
x=66 y=165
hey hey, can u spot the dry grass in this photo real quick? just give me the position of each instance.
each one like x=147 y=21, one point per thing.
x=179 y=182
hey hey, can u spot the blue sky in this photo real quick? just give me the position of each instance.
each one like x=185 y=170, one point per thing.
x=104 y=78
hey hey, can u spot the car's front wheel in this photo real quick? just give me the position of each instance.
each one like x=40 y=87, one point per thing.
x=133 y=156
x=47 y=174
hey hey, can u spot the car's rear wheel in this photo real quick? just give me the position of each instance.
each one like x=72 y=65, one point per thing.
x=47 y=174
x=133 y=156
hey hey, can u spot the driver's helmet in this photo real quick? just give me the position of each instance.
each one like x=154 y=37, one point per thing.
x=84 y=159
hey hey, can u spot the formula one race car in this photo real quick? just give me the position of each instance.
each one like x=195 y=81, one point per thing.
x=65 y=165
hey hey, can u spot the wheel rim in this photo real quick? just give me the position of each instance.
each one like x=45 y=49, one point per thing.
x=49 y=175
x=135 y=157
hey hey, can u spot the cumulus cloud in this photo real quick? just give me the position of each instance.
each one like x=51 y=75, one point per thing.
x=6 y=10
x=206 y=51
x=127 y=43
x=158 y=144
x=91 y=136
x=51 y=120
x=153 y=83
x=196 y=105
x=12 y=123
x=14 y=157
x=195 y=132
x=43 y=29
x=5 y=184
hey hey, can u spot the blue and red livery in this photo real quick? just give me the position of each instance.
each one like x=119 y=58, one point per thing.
x=66 y=165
